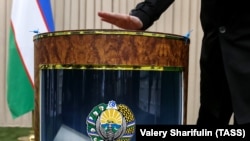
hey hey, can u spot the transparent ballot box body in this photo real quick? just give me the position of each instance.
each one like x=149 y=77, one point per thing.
x=68 y=94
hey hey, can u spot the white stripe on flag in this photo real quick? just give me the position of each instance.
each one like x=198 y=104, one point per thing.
x=26 y=17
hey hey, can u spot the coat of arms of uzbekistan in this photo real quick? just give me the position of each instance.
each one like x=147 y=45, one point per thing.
x=110 y=122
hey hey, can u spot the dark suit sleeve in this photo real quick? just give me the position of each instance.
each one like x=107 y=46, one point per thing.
x=149 y=11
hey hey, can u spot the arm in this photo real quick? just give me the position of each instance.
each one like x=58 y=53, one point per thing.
x=150 y=11
x=140 y=18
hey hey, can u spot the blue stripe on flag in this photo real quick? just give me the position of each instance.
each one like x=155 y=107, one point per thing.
x=47 y=13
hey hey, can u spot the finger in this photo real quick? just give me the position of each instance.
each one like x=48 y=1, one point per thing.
x=109 y=15
x=116 y=19
x=117 y=23
x=111 y=21
x=106 y=15
x=121 y=20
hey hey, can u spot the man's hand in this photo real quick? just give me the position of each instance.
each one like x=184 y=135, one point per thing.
x=121 y=20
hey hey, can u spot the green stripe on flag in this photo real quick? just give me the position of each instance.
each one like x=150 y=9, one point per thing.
x=20 y=93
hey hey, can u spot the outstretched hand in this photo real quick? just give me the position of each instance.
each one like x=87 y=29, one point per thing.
x=121 y=20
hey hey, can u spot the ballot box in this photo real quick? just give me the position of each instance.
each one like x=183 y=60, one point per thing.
x=78 y=73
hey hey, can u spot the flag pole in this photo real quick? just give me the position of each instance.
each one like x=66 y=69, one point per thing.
x=31 y=136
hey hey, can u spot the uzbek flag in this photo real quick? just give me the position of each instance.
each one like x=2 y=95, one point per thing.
x=28 y=17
